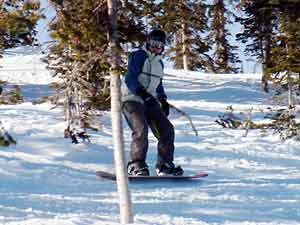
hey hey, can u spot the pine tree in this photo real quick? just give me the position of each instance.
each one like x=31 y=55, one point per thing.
x=80 y=57
x=286 y=45
x=284 y=68
x=18 y=19
x=260 y=25
x=185 y=23
x=225 y=57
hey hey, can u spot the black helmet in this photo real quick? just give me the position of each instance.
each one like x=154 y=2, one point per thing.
x=157 y=35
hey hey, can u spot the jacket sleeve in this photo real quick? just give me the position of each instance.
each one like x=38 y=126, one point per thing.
x=161 y=91
x=135 y=65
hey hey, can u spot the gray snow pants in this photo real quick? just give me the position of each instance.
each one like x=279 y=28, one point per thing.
x=139 y=117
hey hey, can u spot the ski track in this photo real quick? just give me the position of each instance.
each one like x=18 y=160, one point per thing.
x=253 y=180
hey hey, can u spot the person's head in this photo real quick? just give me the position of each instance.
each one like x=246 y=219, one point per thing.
x=156 y=41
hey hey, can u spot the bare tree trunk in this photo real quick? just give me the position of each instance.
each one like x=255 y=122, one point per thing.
x=290 y=91
x=117 y=129
x=184 y=47
x=289 y=80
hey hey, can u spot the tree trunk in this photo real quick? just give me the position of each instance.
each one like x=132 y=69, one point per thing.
x=118 y=142
x=184 y=47
x=290 y=91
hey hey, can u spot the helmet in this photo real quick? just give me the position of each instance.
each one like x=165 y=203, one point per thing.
x=157 y=35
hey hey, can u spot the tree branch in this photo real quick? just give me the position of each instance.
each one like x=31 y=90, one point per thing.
x=187 y=116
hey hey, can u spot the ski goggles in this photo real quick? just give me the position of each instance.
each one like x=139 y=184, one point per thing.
x=156 y=44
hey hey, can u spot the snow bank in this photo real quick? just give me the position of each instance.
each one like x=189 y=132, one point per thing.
x=28 y=69
x=253 y=179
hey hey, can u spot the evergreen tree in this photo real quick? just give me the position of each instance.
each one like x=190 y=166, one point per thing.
x=80 y=57
x=185 y=22
x=225 y=57
x=260 y=25
x=284 y=68
x=286 y=44
x=18 y=19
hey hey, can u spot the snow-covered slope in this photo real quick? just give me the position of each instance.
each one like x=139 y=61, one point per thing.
x=47 y=180
x=25 y=70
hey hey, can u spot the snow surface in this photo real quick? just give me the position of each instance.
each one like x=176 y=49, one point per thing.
x=253 y=180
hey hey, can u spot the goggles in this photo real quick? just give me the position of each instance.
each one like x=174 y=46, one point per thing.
x=156 y=44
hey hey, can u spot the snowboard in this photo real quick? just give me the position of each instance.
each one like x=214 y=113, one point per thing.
x=112 y=176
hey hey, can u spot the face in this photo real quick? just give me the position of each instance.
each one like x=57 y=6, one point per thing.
x=155 y=46
x=156 y=51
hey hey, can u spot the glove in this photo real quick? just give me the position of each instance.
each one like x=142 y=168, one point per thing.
x=165 y=106
x=149 y=100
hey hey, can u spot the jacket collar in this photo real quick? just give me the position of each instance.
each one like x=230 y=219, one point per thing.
x=150 y=54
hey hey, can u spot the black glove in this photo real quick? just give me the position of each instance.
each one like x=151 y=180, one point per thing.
x=165 y=106
x=149 y=100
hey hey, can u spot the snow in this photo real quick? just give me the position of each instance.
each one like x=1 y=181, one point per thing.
x=25 y=70
x=253 y=180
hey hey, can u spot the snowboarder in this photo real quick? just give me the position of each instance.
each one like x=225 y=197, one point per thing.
x=145 y=105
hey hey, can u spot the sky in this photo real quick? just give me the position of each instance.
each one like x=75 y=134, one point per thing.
x=42 y=28
x=250 y=64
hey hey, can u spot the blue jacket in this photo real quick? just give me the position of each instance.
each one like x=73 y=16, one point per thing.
x=145 y=70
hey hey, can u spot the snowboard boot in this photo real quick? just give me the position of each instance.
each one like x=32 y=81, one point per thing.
x=165 y=169
x=137 y=169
